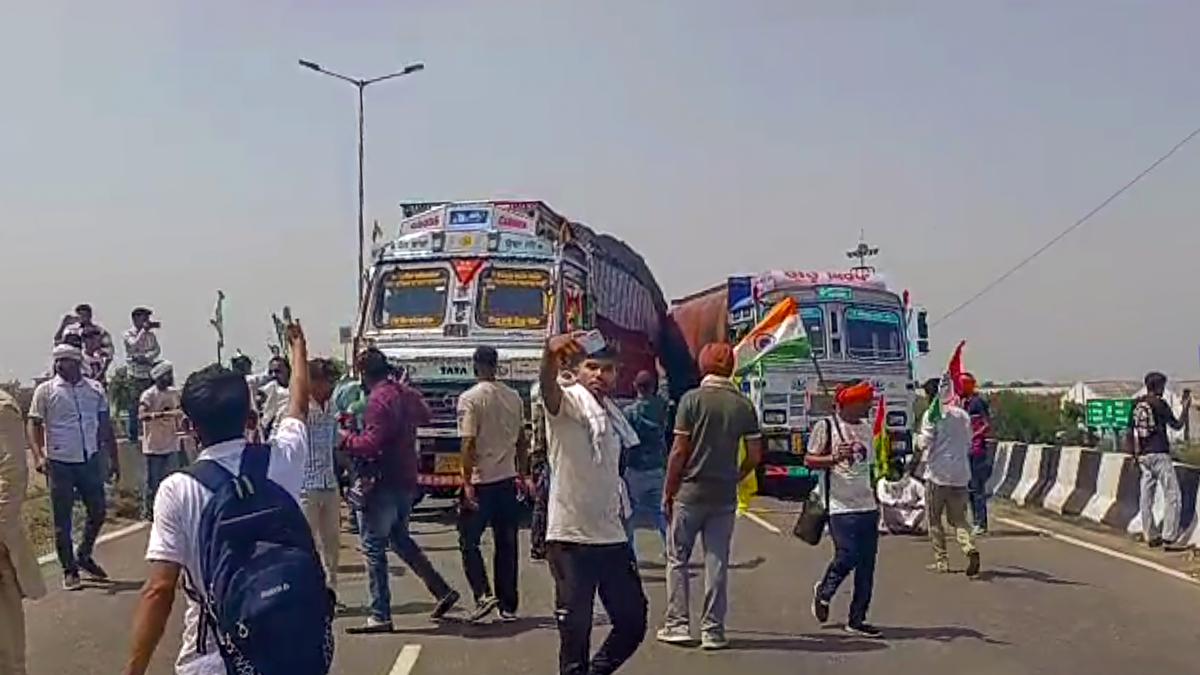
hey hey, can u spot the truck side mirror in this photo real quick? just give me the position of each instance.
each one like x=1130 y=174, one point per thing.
x=922 y=332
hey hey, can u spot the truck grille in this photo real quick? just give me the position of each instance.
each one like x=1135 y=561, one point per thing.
x=442 y=399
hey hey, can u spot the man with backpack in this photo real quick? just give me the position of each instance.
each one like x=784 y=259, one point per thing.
x=1152 y=449
x=231 y=527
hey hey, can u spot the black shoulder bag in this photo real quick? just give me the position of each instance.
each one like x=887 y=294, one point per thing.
x=814 y=513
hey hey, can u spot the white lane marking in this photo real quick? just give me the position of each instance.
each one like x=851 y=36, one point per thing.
x=760 y=521
x=1103 y=550
x=406 y=660
x=102 y=539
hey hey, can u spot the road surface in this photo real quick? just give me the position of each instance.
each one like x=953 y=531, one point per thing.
x=1042 y=606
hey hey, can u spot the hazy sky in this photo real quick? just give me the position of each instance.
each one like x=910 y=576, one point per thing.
x=155 y=151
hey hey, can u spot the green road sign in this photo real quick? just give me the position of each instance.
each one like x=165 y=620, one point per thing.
x=1109 y=413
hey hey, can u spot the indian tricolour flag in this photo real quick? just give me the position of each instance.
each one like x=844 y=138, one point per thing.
x=778 y=338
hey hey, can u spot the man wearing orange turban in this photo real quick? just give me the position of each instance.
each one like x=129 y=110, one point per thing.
x=841 y=446
x=700 y=495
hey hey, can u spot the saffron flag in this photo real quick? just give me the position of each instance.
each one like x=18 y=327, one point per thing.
x=882 y=442
x=950 y=388
x=779 y=338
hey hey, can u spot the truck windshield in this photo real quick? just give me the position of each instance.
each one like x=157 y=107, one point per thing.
x=874 y=333
x=513 y=298
x=412 y=298
x=814 y=323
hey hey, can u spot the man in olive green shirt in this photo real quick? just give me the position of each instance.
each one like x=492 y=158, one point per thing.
x=703 y=473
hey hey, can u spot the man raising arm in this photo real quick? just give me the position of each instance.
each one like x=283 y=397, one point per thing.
x=218 y=403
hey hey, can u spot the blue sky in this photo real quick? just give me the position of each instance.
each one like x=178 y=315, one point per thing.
x=155 y=151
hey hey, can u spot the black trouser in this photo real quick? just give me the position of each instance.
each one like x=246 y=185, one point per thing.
x=541 y=505
x=580 y=570
x=498 y=508
x=86 y=479
x=856 y=543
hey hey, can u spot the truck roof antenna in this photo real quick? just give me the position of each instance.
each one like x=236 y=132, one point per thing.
x=861 y=253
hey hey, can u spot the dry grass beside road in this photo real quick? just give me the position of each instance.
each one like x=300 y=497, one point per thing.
x=123 y=509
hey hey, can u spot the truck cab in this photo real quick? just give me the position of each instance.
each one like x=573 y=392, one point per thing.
x=460 y=275
x=858 y=329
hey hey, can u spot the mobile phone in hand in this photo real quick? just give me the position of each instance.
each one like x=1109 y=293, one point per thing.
x=592 y=342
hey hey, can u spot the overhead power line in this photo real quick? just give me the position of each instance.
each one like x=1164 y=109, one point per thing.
x=1100 y=207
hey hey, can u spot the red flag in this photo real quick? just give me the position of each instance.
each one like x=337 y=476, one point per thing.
x=954 y=371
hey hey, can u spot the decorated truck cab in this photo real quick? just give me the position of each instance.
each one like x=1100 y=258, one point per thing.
x=458 y=275
x=858 y=329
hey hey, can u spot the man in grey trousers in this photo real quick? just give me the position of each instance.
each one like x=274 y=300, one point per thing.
x=700 y=496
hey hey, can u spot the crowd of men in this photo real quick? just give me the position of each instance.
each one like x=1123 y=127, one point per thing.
x=594 y=471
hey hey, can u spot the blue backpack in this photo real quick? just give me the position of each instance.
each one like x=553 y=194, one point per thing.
x=265 y=599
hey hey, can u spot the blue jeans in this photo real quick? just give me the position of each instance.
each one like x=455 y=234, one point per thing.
x=981 y=473
x=385 y=524
x=158 y=467
x=645 y=496
x=855 y=543
x=66 y=480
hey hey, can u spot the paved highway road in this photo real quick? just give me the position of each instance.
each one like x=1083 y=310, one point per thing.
x=1042 y=606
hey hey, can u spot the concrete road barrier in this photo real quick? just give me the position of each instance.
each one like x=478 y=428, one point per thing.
x=1102 y=487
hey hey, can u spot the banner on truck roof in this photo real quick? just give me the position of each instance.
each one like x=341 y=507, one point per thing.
x=776 y=279
x=511 y=221
x=474 y=218
x=423 y=222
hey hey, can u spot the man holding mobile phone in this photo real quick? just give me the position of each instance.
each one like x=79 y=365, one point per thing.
x=141 y=353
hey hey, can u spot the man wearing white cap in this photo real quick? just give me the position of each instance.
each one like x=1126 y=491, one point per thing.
x=70 y=433
x=161 y=417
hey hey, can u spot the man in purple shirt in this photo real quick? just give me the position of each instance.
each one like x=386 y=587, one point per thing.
x=388 y=439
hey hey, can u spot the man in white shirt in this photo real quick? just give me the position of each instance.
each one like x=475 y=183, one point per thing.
x=491 y=422
x=218 y=404
x=319 y=495
x=274 y=394
x=586 y=543
x=161 y=417
x=841 y=445
x=141 y=353
x=944 y=444
x=71 y=435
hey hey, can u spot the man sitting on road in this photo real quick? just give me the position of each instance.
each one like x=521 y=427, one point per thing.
x=586 y=544
x=71 y=437
x=1152 y=415
x=492 y=426
x=944 y=441
x=701 y=493
x=389 y=437
x=217 y=402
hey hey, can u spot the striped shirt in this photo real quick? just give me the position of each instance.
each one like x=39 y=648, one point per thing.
x=319 y=472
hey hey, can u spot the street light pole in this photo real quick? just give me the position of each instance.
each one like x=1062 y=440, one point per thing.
x=362 y=84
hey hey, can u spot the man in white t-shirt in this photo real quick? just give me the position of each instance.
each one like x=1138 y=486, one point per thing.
x=218 y=404
x=161 y=417
x=586 y=544
x=944 y=443
x=491 y=422
x=841 y=445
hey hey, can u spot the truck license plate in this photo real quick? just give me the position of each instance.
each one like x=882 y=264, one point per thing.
x=447 y=464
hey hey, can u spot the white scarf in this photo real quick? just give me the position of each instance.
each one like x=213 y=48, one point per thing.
x=718 y=381
x=601 y=417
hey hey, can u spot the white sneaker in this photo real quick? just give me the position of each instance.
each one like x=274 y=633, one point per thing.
x=713 y=643
x=675 y=635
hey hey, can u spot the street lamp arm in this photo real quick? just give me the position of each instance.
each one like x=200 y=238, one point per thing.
x=407 y=71
x=318 y=69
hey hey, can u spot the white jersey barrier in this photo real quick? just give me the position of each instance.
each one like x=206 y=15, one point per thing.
x=1102 y=487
